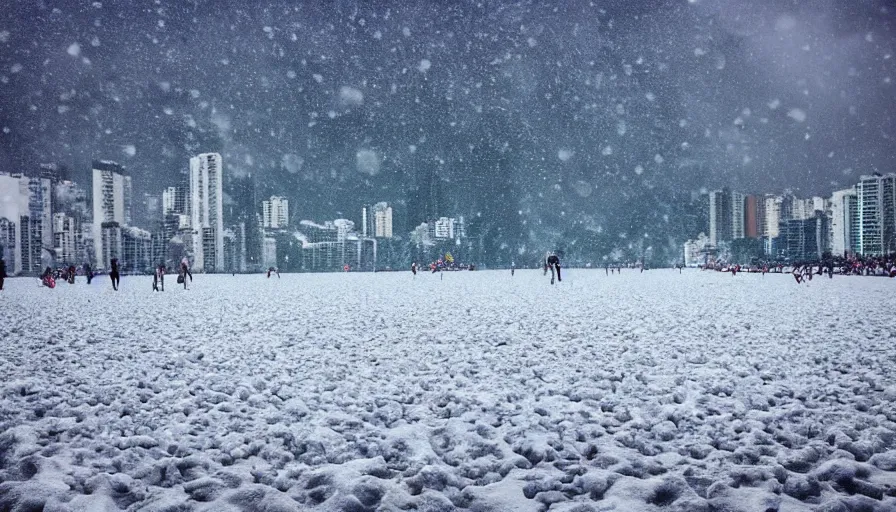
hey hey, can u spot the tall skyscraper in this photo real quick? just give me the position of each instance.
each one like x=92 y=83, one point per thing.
x=737 y=215
x=65 y=239
x=382 y=220
x=844 y=222
x=275 y=213
x=207 y=212
x=876 y=211
x=806 y=239
x=752 y=218
x=169 y=200
x=12 y=207
x=365 y=223
x=10 y=249
x=109 y=207
x=720 y=222
x=772 y=218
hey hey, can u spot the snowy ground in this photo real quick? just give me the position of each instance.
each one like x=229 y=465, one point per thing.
x=481 y=392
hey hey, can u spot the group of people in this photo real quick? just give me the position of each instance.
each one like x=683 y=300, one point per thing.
x=441 y=265
x=803 y=271
x=158 y=276
x=49 y=277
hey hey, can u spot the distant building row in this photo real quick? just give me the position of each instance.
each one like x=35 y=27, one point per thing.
x=857 y=220
x=45 y=219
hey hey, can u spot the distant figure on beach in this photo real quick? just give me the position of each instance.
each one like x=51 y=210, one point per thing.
x=184 y=273
x=158 y=278
x=47 y=279
x=553 y=262
x=114 y=275
x=797 y=275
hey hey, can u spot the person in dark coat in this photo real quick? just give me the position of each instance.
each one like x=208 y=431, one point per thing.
x=88 y=272
x=2 y=272
x=184 y=272
x=114 y=274
x=553 y=263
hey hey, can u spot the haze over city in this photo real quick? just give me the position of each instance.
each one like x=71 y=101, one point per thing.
x=549 y=121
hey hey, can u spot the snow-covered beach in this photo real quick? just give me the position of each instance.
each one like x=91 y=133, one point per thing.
x=469 y=391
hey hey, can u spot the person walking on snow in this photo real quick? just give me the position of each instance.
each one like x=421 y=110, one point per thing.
x=158 y=278
x=553 y=262
x=2 y=273
x=114 y=275
x=184 y=273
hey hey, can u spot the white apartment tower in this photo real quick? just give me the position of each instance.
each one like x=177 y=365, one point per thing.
x=720 y=216
x=772 y=220
x=365 y=222
x=207 y=212
x=844 y=222
x=169 y=200
x=275 y=213
x=109 y=207
x=737 y=215
x=877 y=214
x=382 y=220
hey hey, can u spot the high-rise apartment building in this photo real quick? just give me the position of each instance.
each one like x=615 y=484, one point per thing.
x=206 y=207
x=10 y=249
x=275 y=213
x=382 y=213
x=720 y=222
x=109 y=207
x=877 y=214
x=754 y=208
x=737 y=215
x=136 y=250
x=772 y=218
x=170 y=201
x=65 y=239
x=845 y=222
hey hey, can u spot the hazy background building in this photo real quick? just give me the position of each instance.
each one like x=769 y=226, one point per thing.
x=110 y=185
x=207 y=212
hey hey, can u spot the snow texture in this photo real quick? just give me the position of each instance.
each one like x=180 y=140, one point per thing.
x=470 y=391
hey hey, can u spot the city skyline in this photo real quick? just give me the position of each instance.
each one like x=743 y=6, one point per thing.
x=739 y=216
x=49 y=219
x=552 y=122
x=859 y=220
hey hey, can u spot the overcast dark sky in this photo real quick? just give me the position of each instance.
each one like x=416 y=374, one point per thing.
x=554 y=110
